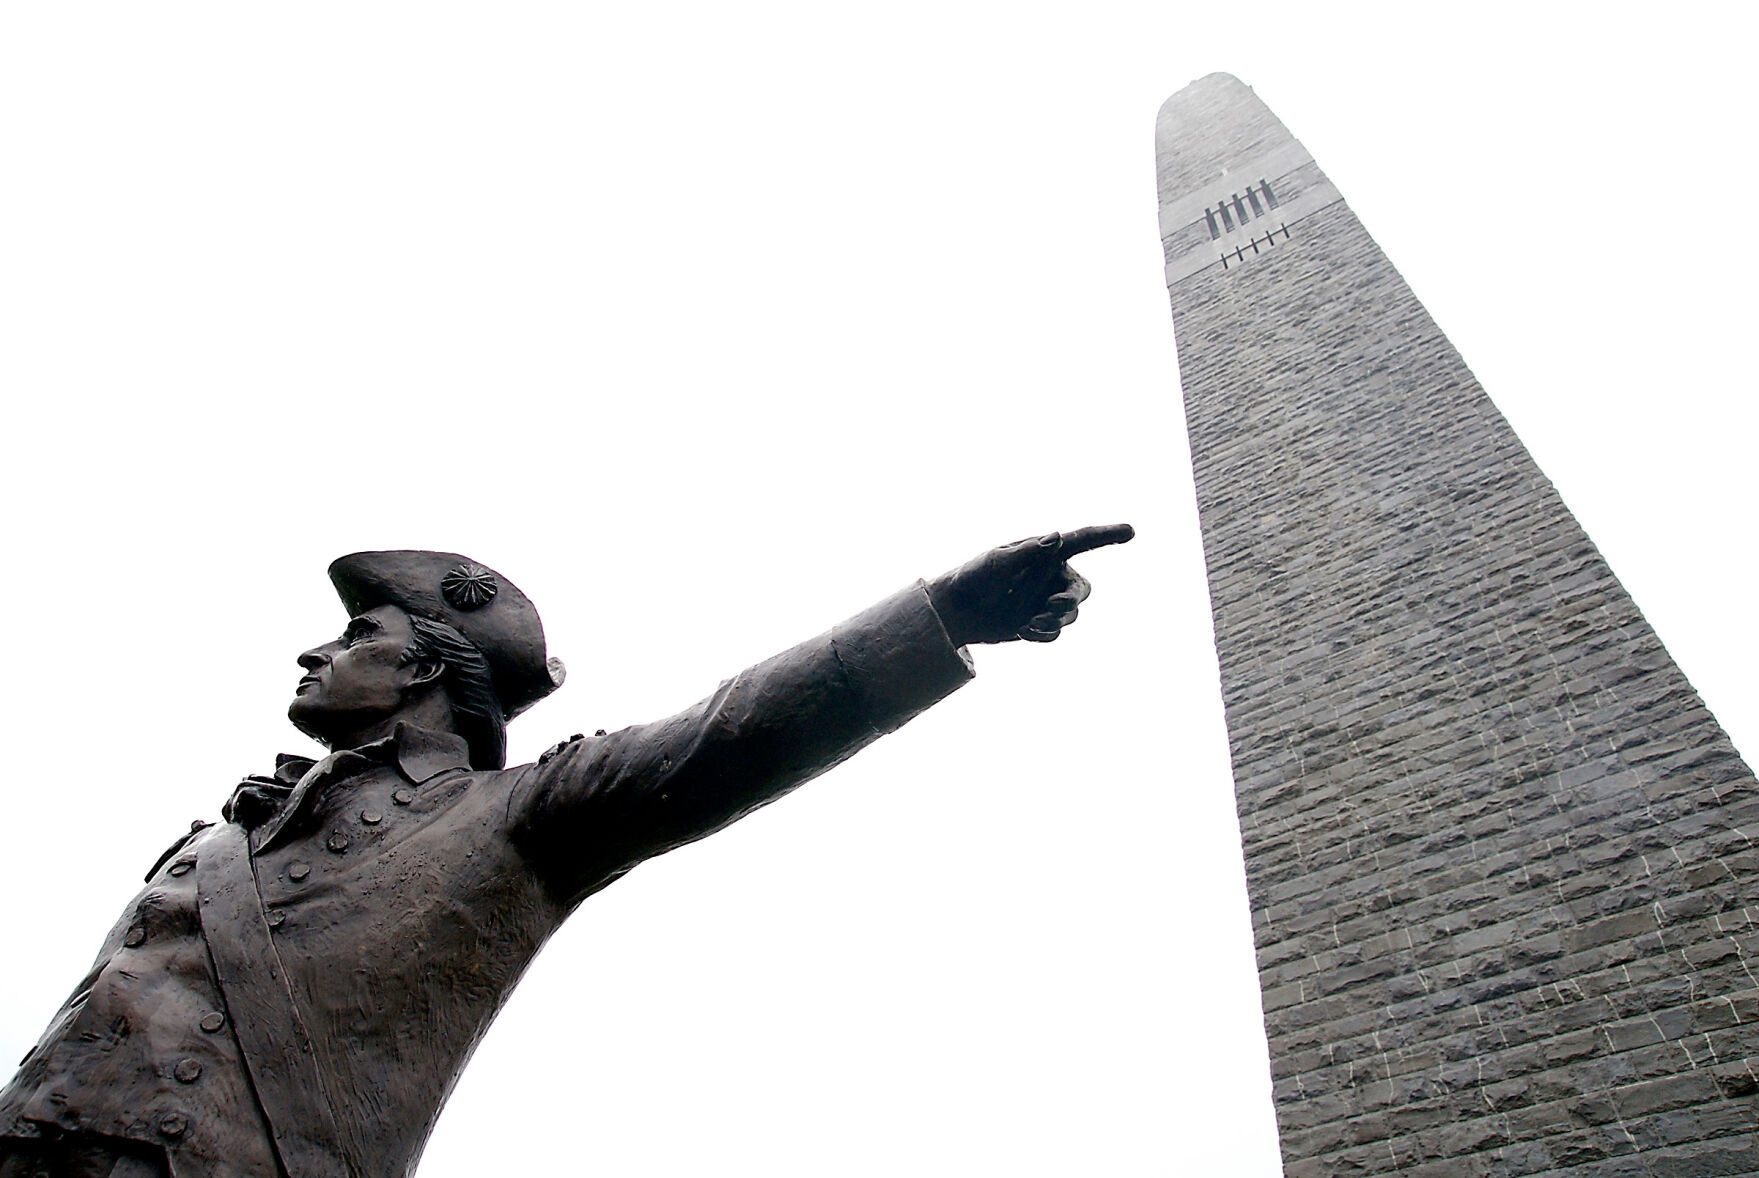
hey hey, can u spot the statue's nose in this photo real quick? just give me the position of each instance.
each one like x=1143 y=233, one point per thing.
x=312 y=659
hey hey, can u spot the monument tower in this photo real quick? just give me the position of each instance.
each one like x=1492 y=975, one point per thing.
x=1502 y=862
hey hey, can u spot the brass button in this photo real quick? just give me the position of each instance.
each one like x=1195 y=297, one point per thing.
x=371 y=817
x=182 y=866
x=402 y=795
x=173 y=1124
x=338 y=842
x=298 y=871
x=137 y=936
x=277 y=918
x=187 y=1071
x=214 y=1020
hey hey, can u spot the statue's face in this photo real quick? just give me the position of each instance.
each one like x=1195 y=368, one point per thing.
x=356 y=680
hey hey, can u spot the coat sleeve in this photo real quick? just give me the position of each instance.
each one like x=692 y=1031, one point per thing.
x=599 y=805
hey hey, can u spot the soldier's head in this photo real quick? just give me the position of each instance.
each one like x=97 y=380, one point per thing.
x=434 y=639
x=390 y=665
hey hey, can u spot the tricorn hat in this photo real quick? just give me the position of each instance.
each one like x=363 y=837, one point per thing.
x=473 y=599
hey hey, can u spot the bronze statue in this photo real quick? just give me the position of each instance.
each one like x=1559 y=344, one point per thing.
x=299 y=985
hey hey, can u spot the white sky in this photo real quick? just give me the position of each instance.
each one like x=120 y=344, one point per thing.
x=709 y=325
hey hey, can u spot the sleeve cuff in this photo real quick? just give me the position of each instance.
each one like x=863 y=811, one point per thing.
x=898 y=658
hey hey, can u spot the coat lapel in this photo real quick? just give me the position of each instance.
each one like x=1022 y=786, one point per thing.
x=418 y=753
x=273 y=1038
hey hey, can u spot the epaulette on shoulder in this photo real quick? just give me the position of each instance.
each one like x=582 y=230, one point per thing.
x=556 y=748
x=195 y=828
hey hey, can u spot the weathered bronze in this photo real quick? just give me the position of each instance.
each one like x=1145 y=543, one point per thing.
x=299 y=985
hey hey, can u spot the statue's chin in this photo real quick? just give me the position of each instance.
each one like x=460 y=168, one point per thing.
x=308 y=720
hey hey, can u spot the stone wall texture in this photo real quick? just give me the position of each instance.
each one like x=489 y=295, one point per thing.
x=1501 y=859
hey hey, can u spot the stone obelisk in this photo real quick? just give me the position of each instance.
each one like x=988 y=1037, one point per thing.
x=1501 y=860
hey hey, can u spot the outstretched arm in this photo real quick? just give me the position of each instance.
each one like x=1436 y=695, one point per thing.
x=599 y=805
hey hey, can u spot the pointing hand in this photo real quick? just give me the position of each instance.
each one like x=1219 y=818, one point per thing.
x=1022 y=590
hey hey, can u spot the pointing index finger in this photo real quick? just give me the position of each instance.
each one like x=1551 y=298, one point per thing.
x=1086 y=539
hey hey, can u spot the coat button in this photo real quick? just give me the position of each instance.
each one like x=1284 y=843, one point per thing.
x=402 y=796
x=277 y=918
x=137 y=936
x=182 y=866
x=173 y=1124
x=298 y=871
x=337 y=842
x=187 y=1071
x=214 y=1020
x=371 y=817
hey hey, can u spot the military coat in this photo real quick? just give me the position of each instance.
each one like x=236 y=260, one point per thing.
x=303 y=996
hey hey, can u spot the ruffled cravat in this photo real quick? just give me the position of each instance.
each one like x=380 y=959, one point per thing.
x=257 y=798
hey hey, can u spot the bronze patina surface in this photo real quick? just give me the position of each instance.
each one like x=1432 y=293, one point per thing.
x=299 y=985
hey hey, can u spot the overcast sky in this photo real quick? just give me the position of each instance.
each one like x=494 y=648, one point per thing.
x=710 y=325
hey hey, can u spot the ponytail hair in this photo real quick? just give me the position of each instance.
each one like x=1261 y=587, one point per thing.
x=468 y=684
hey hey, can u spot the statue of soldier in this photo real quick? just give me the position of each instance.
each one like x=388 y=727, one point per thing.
x=298 y=987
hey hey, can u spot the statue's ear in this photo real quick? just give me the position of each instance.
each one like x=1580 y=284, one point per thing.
x=425 y=671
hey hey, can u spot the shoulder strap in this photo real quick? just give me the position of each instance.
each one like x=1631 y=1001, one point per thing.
x=277 y=1049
